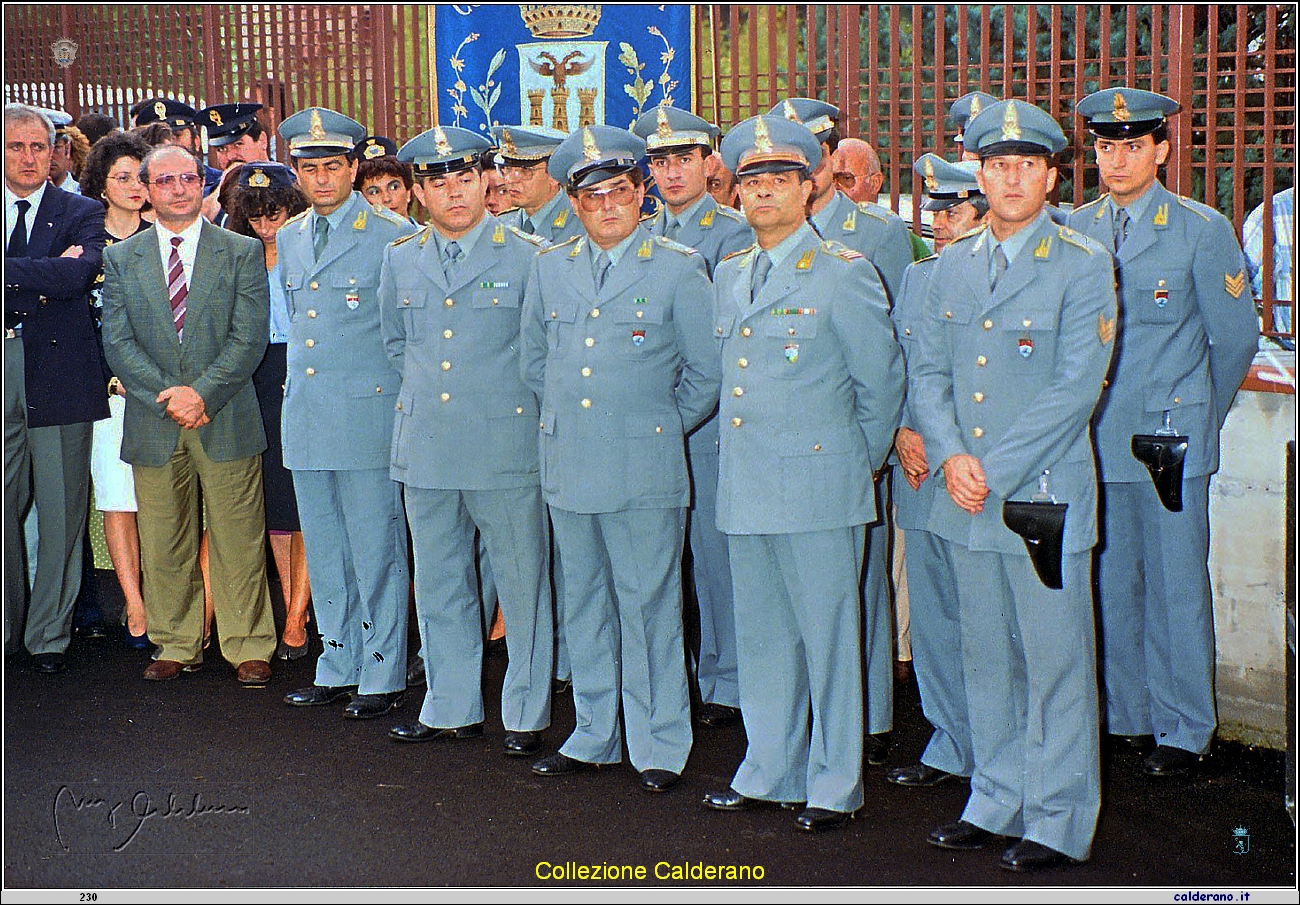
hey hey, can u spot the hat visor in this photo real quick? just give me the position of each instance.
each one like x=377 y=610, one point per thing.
x=227 y=138
x=446 y=167
x=598 y=173
x=318 y=152
x=679 y=147
x=770 y=166
x=932 y=203
x=1131 y=129
x=1022 y=148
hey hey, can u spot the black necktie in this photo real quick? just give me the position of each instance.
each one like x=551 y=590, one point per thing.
x=18 y=240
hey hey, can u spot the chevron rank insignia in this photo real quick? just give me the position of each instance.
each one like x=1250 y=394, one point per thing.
x=1105 y=329
x=1235 y=285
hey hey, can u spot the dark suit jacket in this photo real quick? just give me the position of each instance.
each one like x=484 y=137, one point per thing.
x=50 y=295
x=227 y=317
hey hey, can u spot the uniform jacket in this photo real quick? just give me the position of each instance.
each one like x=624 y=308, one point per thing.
x=1011 y=377
x=465 y=420
x=714 y=231
x=559 y=225
x=875 y=232
x=622 y=373
x=811 y=391
x=1187 y=335
x=226 y=324
x=341 y=388
x=50 y=295
x=913 y=505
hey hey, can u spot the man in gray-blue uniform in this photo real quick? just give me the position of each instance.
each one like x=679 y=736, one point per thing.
x=962 y=111
x=812 y=389
x=617 y=344
x=953 y=196
x=465 y=444
x=1016 y=336
x=541 y=208
x=1188 y=338
x=680 y=147
x=339 y=398
x=881 y=237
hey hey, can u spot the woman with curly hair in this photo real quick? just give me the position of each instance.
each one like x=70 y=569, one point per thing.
x=263 y=197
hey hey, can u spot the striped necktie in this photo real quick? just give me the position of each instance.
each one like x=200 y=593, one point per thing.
x=177 y=290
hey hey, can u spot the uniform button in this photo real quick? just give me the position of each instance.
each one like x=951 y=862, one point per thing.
x=399 y=406
x=406 y=301
x=379 y=390
x=907 y=332
x=790 y=332
x=744 y=362
x=586 y=372
x=981 y=361
x=311 y=312
x=642 y=314
x=494 y=301
x=736 y=422
x=519 y=410
x=988 y=325
x=589 y=342
x=977 y=433
x=352 y=281
x=449 y=303
x=445 y=397
x=447 y=334
x=446 y=366
x=817 y=447
x=595 y=312
x=315 y=285
x=717 y=331
x=554 y=315
x=978 y=397
x=738 y=391
x=745 y=331
x=947 y=314
x=658 y=429
x=1104 y=384
x=1177 y=400
x=586 y=403
x=541 y=425
x=1161 y=283
x=311 y=371
x=310 y=344
x=1027 y=323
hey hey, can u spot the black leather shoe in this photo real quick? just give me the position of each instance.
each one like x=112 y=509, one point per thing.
x=316 y=695
x=960 y=836
x=1142 y=744
x=418 y=732
x=94 y=631
x=918 y=775
x=1027 y=856
x=659 y=780
x=718 y=715
x=1167 y=760
x=522 y=744
x=558 y=764
x=285 y=651
x=730 y=800
x=876 y=748
x=814 y=820
x=369 y=706
x=49 y=664
x=415 y=672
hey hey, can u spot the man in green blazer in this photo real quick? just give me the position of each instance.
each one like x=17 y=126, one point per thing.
x=186 y=306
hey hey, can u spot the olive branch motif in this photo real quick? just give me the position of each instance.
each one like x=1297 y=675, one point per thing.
x=639 y=89
x=457 y=91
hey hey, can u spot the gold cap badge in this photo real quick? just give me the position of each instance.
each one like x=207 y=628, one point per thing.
x=762 y=140
x=317 y=130
x=259 y=179
x=373 y=150
x=1011 y=123
x=160 y=110
x=663 y=130
x=1121 y=108
x=975 y=107
x=589 y=149
x=791 y=114
x=440 y=143
x=215 y=117
x=930 y=182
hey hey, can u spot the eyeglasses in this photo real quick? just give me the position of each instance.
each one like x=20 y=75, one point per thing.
x=189 y=180
x=845 y=180
x=594 y=200
x=513 y=173
x=125 y=179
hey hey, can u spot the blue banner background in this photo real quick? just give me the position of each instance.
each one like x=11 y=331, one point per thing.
x=492 y=69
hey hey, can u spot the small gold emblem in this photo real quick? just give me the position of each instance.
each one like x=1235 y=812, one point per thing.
x=215 y=117
x=1162 y=214
x=440 y=143
x=259 y=179
x=1105 y=329
x=645 y=250
x=499 y=235
x=1121 y=109
x=373 y=149
x=850 y=222
x=663 y=130
x=931 y=184
x=317 y=130
x=1044 y=248
x=707 y=219
x=975 y=107
x=589 y=149
x=508 y=143
x=160 y=110
x=1011 y=123
x=791 y=114
x=762 y=140
x=805 y=261
x=360 y=222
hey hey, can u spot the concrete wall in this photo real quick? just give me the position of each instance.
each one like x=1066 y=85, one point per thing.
x=1248 y=566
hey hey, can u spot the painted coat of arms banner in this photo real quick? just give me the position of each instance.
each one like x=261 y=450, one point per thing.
x=561 y=66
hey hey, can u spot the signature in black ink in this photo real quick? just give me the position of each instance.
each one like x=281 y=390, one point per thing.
x=125 y=816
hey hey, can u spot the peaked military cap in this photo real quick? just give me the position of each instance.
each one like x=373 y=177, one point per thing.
x=321 y=132
x=525 y=145
x=374 y=146
x=593 y=154
x=668 y=129
x=946 y=184
x=818 y=116
x=1125 y=112
x=770 y=144
x=966 y=108
x=444 y=149
x=1014 y=127
x=266 y=175
x=227 y=123
x=164 y=110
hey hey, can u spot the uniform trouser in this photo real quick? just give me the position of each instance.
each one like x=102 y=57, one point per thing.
x=936 y=653
x=798 y=624
x=716 y=669
x=563 y=670
x=1029 y=658
x=50 y=467
x=171 y=523
x=512 y=524
x=902 y=613
x=623 y=609
x=354 y=529
x=486 y=588
x=1157 y=617
x=878 y=619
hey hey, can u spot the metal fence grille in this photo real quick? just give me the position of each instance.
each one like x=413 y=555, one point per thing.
x=893 y=69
